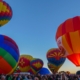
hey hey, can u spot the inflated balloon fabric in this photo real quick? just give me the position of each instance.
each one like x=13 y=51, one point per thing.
x=36 y=64
x=24 y=63
x=5 y=13
x=9 y=55
x=44 y=71
x=68 y=39
x=55 y=57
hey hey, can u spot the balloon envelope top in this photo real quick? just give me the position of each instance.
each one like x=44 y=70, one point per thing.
x=70 y=25
x=55 y=57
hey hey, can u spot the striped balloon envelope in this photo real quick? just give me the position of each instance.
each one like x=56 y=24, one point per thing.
x=68 y=39
x=9 y=55
x=24 y=63
x=5 y=13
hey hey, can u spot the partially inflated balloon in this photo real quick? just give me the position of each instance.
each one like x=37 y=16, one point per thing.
x=24 y=63
x=68 y=39
x=44 y=71
x=78 y=72
x=5 y=13
x=55 y=57
x=36 y=64
x=53 y=68
x=9 y=55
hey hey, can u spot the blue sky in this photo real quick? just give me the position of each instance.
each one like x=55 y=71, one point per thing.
x=34 y=24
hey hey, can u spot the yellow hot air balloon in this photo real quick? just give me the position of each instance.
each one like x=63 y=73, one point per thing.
x=24 y=63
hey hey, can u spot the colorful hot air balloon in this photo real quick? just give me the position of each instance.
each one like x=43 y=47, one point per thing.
x=78 y=72
x=5 y=13
x=68 y=39
x=9 y=55
x=53 y=68
x=44 y=71
x=55 y=57
x=24 y=63
x=36 y=64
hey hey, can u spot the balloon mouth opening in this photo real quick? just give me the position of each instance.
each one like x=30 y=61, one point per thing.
x=75 y=59
x=77 y=65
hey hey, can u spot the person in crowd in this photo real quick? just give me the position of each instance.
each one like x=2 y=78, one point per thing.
x=37 y=78
x=2 y=77
x=44 y=78
x=18 y=77
x=13 y=78
x=57 y=77
x=79 y=77
x=64 y=77
x=8 y=77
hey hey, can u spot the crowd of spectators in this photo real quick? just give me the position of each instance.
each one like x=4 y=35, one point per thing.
x=57 y=76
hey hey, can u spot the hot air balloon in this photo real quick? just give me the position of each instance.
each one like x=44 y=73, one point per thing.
x=55 y=57
x=78 y=72
x=53 y=68
x=9 y=55
x=5 y=13
x=36 y=64
x=44 y=71
x=24 y=63
x=68 y=39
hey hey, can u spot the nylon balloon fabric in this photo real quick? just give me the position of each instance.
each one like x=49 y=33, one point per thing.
x=24 y=63
x=5 y=13
x=55 y=57
x=53 y=68
x=9 y=55
x=44 y=71
x=68 y=39
x=36 y=64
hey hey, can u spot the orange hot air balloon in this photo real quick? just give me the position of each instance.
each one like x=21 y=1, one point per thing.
x=24 y=63
x=68 y=39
